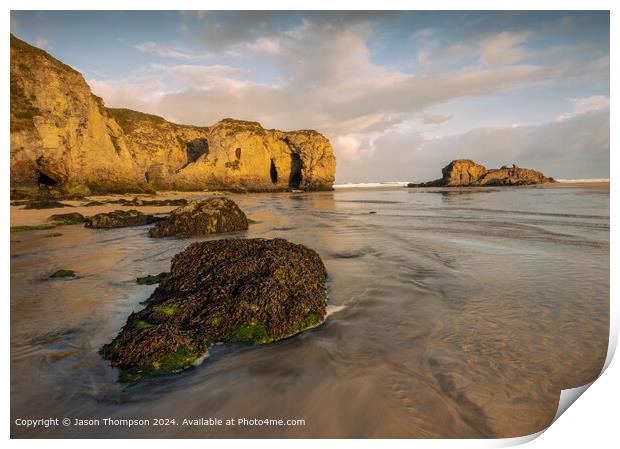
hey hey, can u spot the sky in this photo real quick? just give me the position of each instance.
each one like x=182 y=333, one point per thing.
x=399 y=94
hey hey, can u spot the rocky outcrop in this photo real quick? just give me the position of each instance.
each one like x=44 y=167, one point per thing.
x=44 y=204
x=137 y=202
x=61 y=135
x=64 y=139
x=462 y=172
x=67 y=219
x=199 y=218
x=514 y=175
x=119 y=219
x=467 y=173
x=251 y=291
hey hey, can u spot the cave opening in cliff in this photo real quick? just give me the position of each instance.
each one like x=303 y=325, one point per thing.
x=273 y=172
x=196 y=148
x=295 y=177
x=45 y=180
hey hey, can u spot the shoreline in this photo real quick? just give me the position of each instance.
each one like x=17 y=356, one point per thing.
x=37 y=217
x=400 y=185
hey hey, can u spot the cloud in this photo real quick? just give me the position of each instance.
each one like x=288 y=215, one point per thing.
x=349 y=148
x=328 y=79
x=220 y=31
x=434 y=119
x=424 y=33
x=583 y=106
x=504 y=48
x=576 y=148
x=265 y=45
x=164 y=51
x=125 y=94
x=437 y=57
x=41 y=42
x=593 y=103
x=205 y=76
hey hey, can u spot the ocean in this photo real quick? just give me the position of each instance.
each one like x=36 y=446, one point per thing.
x=452 y=313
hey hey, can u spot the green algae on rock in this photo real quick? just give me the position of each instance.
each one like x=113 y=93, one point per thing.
x=213 y=215
x=63 y=274
x=243 y=291
x=150 y=279
x=41 y=227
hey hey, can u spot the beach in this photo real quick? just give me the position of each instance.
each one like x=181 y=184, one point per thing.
x=452 y=313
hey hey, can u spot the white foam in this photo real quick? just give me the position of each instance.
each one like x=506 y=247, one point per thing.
x=331 y=309
x=200 y=359
x=367 y=185
x=584 y=180
x=360 y=185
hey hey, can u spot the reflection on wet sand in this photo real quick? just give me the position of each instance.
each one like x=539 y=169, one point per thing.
x=451 y=316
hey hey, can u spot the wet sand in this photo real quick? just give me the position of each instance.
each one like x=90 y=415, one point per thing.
x=455 y=314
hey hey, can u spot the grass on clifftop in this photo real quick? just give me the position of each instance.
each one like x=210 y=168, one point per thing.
x=31 y=50
x=128 y=119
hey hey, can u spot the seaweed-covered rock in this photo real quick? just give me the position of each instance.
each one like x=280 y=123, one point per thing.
x=135 y=201
x=63 y=274
x=232 y=290
x=45 y=204
x=204 y=217
x=67 y=219
x=119 y=219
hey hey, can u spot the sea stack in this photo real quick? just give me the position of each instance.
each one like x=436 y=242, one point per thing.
x=467 y=173
x=65 y=140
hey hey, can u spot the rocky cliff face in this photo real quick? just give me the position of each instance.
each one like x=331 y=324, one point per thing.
x=466 y=173
x=63 y=136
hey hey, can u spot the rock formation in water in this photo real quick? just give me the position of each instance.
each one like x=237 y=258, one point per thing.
x=119 y=219
x=467 y=173
x=251 y=291
x=199 y=218
x=65 y=139
x=44 y=203
x=67 y=219
x=138 y=202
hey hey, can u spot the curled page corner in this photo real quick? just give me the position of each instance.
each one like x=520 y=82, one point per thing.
x=568 y=397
